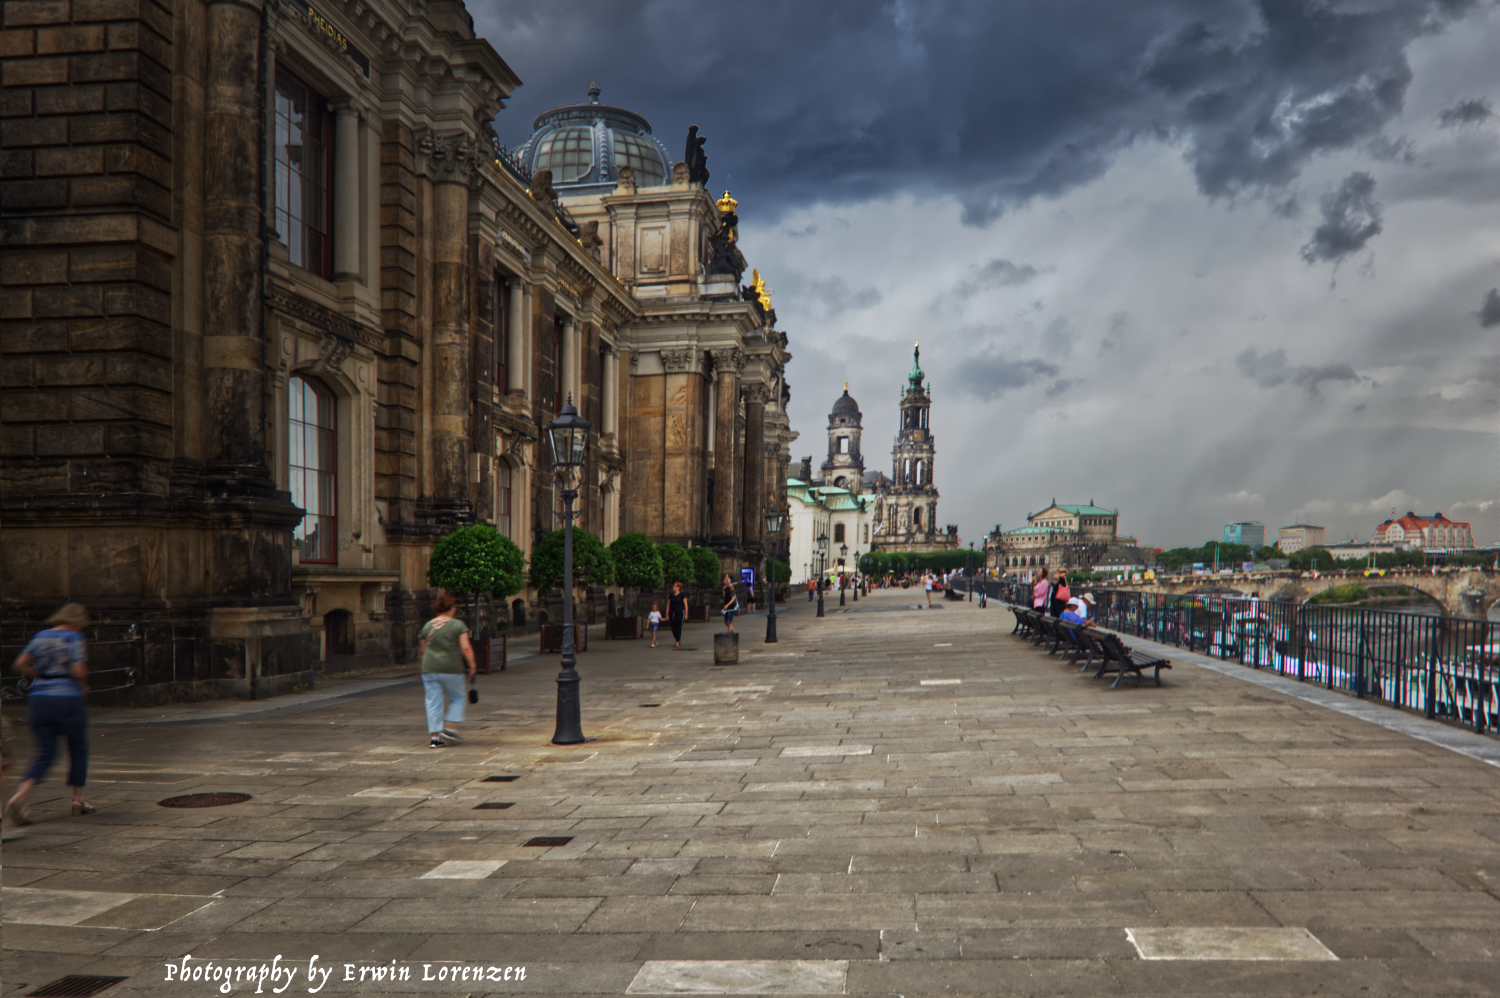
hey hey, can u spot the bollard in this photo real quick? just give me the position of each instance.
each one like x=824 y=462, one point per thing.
x=726 y=648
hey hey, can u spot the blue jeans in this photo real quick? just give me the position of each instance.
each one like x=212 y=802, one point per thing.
x=443 y=689
x=54 y=717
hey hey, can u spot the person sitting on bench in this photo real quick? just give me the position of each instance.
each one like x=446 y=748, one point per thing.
x=1078 y=610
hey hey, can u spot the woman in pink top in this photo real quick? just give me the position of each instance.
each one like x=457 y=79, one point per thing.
x=1039 y=592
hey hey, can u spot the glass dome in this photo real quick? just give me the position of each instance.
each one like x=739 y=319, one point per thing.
x=567 y=152
x=586 y=144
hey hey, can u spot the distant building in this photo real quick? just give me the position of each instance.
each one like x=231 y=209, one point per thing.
x=1418 y=530
x=1060 y=536
x=1299 y=536
x=1251 y=533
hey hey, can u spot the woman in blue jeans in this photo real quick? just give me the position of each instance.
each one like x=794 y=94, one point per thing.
x=57 y=663
x=445 y=654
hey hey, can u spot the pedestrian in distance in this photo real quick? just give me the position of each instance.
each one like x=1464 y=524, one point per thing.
x=1040 y=590
x=811 y=587
x=654 y=620
x=1078 y=609
x=731 y=604
x=677 y=612
x=57 y=662
x=1061 y=594
x=927 y=584
x=446 y=655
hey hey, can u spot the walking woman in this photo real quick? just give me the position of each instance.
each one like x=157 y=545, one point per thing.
x=1040 y=592
x=445 y=654
x=57 y=662
x=677 y=612
x=731 y=603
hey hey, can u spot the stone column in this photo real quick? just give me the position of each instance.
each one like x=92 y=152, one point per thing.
x=728 y=364
x=610 y=404
x=569 y=361
x=520 y=328
x=234 y=381
x=756 y=395
x=452 y=162
x=345 y=192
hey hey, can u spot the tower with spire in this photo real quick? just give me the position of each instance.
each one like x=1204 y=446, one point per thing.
x=845 y=466
x=906 y=512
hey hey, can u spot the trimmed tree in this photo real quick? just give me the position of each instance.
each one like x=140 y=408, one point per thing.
x=477 y=559
x=705 y=567
x=592 y=565
x=637 y=565
x=675 y=563
x=783 y=572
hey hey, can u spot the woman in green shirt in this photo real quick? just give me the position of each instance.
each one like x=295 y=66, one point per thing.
x=445 y=654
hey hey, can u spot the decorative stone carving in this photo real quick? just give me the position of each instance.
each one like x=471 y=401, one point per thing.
x=588 y=238
x=454 y=157
x=541 y=187
x=730 y=359
x=680 y=174
x=332 y=352
x=680 y=360
x=625 y=180
x=756 y=393
x=694 y=158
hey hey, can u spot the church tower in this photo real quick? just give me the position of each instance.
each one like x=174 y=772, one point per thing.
x=845 y=466
x=907 y=512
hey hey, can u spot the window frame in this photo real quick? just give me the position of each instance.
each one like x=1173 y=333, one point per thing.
x=502 y=334
x=325 y=139
x=326 y=468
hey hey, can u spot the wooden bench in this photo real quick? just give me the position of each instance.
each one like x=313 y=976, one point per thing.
x=1125 y=661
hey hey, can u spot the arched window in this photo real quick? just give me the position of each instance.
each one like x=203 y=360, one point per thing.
x=843 y=445
x=841 y=482
x=311 y=459
x=916 y=516
x=918 y=479
x=906 y=471
x=838 y=533
x=867 y=533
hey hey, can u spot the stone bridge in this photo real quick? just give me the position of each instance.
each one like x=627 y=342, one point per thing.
x=1461 y=592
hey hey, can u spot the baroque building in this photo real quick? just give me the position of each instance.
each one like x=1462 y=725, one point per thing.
x=279 y=311
x=905 y=517
x=1064 y=536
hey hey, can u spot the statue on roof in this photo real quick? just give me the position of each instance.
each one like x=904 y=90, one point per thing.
x=695 y=158
x=724 y=253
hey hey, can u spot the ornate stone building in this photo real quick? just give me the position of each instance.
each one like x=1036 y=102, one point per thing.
x=905 y=516
x=1063 y=536
x=278 y=312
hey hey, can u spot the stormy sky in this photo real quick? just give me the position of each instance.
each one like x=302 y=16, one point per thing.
x=1199 y=260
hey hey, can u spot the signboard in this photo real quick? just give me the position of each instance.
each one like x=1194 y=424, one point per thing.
x=747 y=576
x=322 y=26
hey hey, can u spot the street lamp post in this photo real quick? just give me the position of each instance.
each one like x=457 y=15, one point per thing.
x=822 y=553
x=854 y=578
x=969 y=570
x=569 y=437
x=774 y=520
x=843 y=554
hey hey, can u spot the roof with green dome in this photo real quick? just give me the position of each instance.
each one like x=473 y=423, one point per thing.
x=915 y=376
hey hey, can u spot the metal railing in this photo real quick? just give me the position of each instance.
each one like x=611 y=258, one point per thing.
x=115 y=652
x=1445 y=667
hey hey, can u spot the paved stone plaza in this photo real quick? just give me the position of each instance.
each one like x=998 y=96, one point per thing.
x=889 y=801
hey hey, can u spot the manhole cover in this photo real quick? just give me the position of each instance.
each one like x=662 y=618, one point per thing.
x=500 y=779
x=75 y=986
x=494 y=805
x=203 y=800
x=549 y=840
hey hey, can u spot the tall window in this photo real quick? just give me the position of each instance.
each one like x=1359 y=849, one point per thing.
x=557 y=371
x=304 y=174
x=502 y=335
x=838 y=533
x=502 y=498
x=311 y=434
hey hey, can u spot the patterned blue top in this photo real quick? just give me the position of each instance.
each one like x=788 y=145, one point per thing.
x=53 y=653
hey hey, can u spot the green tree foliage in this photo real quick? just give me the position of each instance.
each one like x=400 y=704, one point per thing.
x=1268 y=552
x=705 y=568
x=1351 y=593
x=878 y=563
x=783 y=571
x=637 y=565
x=592 y=564
x=1230 y=556
x=1310 y=559
x=675 y=563
x=477 y=559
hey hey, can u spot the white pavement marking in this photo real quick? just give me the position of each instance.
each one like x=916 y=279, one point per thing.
x=463 y=869
x=427 y=792
x=799 y=751
x=795 y=785
x=943 y=644
x=740 y=977
x=1228 y=944
x=941 y=682
x=33 y=906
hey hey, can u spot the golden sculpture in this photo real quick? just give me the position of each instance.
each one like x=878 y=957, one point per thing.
x=762 y=293
x=726 y=204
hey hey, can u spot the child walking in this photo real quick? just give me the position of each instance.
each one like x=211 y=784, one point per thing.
x=655 y=621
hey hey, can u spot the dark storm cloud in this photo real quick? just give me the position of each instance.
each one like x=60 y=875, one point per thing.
x=835 y=294
x=1466 y=112
x=993 y=103
x=1272 y=369
x=1489 y=312
x=998 y=273
x=991 y=374
x=1351 y=218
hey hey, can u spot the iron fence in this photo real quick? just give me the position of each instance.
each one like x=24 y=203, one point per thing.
x=1445 y=667
x=116 y=653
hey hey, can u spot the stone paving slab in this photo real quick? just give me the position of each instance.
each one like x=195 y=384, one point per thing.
x=888 y=801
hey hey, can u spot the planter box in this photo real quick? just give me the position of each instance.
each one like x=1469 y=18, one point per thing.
x=489 y=653
x=616 y=628
x=697 y=613
x=552 y=637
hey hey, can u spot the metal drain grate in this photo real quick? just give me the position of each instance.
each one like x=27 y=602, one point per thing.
x=650 y=705
x=494 y=805
x=204 y=800
x=75 y=986
x=500 y=779
x=548 y=840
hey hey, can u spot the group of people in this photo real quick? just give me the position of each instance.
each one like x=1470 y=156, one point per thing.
x=1055 y=598
x=677 y=611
